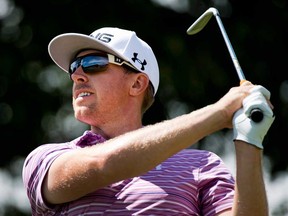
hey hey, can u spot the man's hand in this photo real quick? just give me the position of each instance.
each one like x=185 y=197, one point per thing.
x=243 y=127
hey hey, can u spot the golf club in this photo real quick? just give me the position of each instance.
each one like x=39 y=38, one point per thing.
x=256 y=114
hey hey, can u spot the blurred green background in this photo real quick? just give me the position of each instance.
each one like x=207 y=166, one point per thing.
x=35 y=95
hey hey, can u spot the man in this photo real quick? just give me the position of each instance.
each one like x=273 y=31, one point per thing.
x=120 y=167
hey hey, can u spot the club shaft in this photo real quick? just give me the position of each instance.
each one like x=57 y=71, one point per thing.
x=230 y=48
x=256 y=114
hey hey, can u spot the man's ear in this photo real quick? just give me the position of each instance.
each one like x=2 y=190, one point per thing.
x=140 y=84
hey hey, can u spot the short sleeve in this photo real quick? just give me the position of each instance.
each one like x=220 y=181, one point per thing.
x=34 y=170
x=216 y=185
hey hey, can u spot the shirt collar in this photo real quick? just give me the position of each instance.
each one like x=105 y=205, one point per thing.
x=89 y=138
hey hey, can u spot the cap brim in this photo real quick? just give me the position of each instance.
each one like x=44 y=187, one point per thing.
x=63 y=48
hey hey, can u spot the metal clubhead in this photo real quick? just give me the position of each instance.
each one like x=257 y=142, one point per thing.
x=202 y=21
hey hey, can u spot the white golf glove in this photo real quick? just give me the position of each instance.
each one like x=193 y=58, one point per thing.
x=244 y=128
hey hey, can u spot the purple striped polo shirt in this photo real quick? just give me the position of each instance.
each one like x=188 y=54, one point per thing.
x=192 y=182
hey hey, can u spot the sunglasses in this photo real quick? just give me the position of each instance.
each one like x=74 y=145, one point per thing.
x=96 y=63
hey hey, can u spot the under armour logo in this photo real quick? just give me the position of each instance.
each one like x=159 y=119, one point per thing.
x=143 y=63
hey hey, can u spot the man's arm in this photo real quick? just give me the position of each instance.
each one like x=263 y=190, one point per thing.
x=250 y=194
x=81 y=171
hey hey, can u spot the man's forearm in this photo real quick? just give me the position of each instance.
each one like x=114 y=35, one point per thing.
x=250 y=195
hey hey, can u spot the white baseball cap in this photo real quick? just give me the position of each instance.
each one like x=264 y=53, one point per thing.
x=122 y=43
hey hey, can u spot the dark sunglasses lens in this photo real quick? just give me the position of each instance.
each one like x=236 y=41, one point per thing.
x=89 y=64
x=94 y=63
x=73 y=66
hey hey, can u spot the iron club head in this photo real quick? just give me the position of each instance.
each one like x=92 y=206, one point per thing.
x=201 y=22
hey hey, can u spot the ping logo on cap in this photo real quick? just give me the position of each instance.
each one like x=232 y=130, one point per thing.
x=104 y=37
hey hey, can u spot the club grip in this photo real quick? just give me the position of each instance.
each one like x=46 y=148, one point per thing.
x=256 y=115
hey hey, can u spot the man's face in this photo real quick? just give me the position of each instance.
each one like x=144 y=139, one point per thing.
x=98 y=97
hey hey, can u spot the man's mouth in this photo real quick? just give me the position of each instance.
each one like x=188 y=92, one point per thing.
x=84 y=94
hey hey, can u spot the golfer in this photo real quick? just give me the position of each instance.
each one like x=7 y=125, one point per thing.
x=119 y=166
